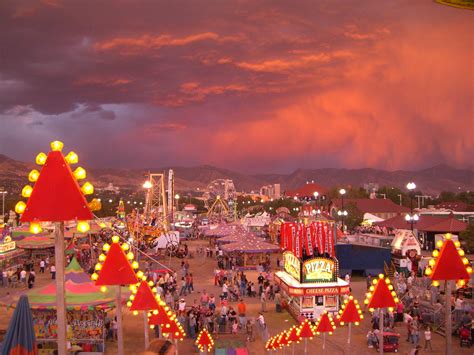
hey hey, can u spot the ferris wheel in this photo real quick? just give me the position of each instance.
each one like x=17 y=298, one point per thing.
x=220 y=187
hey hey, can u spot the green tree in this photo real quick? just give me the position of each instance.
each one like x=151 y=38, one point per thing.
x=467 y=237
x=354 y=216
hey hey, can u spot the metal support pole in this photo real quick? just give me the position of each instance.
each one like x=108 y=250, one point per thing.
x=60 y=289
x=305 y=346
x=118 y=314
x=324 y=342
x=381 y=331
x=449 y=325
x=292 y=348
x=145 y=322
x=349 y=334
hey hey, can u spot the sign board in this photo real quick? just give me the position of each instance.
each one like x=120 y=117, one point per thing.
x=292 y=265
x=6 y=247
x=320 y=270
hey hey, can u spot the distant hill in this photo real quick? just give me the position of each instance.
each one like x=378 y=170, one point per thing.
x=13 y=175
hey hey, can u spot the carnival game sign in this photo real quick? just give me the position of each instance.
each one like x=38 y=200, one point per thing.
x=319 y=270
x=292 y=265
x=7 y=245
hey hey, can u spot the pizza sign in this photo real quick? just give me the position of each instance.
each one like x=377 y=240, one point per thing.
x=319 y=270
x=292 y=265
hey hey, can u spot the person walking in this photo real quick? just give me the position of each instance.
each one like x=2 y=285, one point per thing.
x=277 y=302
x=263 y=301
x=5 y=277
x=428 y=338
x=42 y=266
x=31 y=279
x=52 y=269
x=241 y=311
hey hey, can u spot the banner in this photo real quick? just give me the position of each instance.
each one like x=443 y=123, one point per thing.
x=308 y=243
x=320 y=237
x=298 y=237
x=326 y=238
x=82 y=325
x=331 y=240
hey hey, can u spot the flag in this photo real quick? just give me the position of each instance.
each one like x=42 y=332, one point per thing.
x=308 y=243
x=330 y=239
x=298 y=240
x=320 y=237
x=326 y=238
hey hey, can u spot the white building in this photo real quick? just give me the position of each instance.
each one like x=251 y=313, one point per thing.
x=271 y=191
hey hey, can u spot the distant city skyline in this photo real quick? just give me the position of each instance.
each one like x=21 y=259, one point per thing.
x=249 y=86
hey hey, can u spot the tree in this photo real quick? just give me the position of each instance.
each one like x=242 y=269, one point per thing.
x=467 y=237
x=354 y=216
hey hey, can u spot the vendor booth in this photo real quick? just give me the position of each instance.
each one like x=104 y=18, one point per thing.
x=86 y=311
x=312 y=286
x=406 y=251
x=310 y=277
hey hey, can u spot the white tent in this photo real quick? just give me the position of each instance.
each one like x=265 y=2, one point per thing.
x=370 y=218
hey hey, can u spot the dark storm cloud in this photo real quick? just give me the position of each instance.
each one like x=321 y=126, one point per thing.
x=289 y=83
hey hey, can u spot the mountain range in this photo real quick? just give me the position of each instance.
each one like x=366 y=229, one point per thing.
x=13 y=175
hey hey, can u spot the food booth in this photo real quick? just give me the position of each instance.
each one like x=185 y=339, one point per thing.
x=312 y=286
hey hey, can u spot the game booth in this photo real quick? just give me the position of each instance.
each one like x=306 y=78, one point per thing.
x=406 y=251
x=310 y=278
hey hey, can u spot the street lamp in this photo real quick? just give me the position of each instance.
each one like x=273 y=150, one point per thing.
x=147 y=184
x=342 y=213
x=3 y=192
x=411 y=218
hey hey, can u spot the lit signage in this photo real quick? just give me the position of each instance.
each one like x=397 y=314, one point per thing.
x=292 y=265
x=319 y=270
x=6 y=247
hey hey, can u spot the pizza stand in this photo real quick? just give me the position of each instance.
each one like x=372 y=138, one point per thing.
x=406 y=251
x=312 y=286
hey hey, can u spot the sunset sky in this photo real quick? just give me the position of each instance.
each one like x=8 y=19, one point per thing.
x=255 y=86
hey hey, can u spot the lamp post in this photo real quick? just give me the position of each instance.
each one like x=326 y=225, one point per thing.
x=342 y=213
x=411 y=218
x=176 y=197
x=3 y=192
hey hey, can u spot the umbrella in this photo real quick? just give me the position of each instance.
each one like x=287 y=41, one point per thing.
x=20 y=337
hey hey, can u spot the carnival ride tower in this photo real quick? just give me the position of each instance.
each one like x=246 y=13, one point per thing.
x=155 y=201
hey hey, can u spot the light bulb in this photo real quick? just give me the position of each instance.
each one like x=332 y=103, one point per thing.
x=41 y=158
x=33 y=175
x=115 y=239
x=80 y=173
x=20 y=207
x=72 y=158
x=83 y=226
x=35 y=228
x=26 y=191
x=57 y=146
x=87 y=189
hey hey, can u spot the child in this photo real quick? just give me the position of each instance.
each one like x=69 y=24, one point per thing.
x=428 y=338
x=235 y=327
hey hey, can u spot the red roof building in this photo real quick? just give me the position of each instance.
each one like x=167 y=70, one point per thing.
x=383 y=208
x=455 y=206
x=307 y=191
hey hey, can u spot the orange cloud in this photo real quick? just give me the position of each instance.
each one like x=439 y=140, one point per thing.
x=96 y=81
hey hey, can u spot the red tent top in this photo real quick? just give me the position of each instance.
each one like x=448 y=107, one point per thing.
x=116 y=269
x=447 y=225
x=382 y=297
x=350 y=313
x=144 y=299
x=325 y=324
x=449 y=264
x=56 y=195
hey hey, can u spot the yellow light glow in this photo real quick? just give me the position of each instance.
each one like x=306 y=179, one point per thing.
x=106 y=247
x=135 y=265
x=439 y=244
x=26 y=191
x=87 y=189
x=125 y=246
x=436 y=283
x=72 y=158
x=469 y=269
x=129 y=304
x=448 y=236
x=57 y=146
x=130 y=256
x=457 y=244
x=33 y=175
x=115 y=239
x=98 y=266
x=80 y=173
x=20 y=207
x=428 y=271
x=103 y=288
x=41 y=158
x=432 y=262
x=102 y=257
x=461 y=252
x=435 y=253
x=94 y=276
x=140 y=274
x=465 y=261
x=83 y=226
x=35 y=228
x=135 y=313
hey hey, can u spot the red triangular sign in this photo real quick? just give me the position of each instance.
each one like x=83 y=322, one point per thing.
x=56 y=195
x=204 y=338
x=305 y=330
x=324 y=324
x=449 y=265
x=293 y=335
x=116 y=269
x=159 y=319
x=144 y=299
x=350 y=314
x=382 y=297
